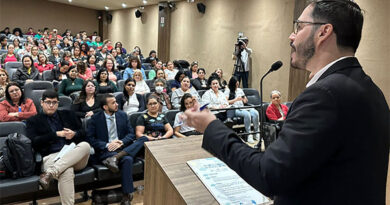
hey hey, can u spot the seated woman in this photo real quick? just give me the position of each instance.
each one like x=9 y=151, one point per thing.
x=27 y=73
x=276 y=110
x=193 y=72
x=185 y=88
x=170 y=71
x=134 y=64
x=71 y=84
x=4 y=80
x=113 y=74
x=200 y=83
x=16 y=107
x=55 y=56
x=92 y=64
x=84 y=72
x=43 y=64
x=76 y=57
x=176 y=84
x=86 y=104
x=236 y=98
x=104 y=85
x=219 y=72
x=141 y=87
x=153 y=72
x=60 y=73
x=34 y=54
x=179 y=127
x=153 y=124
x=10 y=56
x=131 y=102
x=161 y=92
x=216 y=98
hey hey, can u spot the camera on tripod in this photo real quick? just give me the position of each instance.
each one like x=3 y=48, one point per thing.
x=241 y=39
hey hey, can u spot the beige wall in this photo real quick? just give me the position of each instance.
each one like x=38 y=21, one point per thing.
x=132 y=31
x=41 y=13
x=374 y=49
x=209 y=38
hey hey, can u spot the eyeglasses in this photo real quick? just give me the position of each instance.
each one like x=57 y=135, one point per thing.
x=297 y=25
x=50 y=103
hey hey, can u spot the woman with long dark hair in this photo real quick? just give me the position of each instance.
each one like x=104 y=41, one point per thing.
x=180 y=128
x=104 y=85
x=237 y=98
x=16 y=107
x=72 y=83
x=87 y=104
x=27 y=73
x=131 y=102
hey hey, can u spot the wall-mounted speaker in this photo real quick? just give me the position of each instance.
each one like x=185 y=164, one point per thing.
x=138 y=13
x=109 y=17
x=201 y=7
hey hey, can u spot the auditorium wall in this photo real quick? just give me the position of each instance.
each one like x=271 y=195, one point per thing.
x=132 y=31
x=42 y=13
x=374 y=50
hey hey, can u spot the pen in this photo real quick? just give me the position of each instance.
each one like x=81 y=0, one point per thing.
x=203 y=107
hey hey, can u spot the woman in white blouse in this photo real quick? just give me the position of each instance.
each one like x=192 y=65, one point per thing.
x=141 y=87
x=130 y=102
x=215 y=98
x=184 y=88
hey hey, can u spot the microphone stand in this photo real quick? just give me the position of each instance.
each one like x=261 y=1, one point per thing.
x=258 y=146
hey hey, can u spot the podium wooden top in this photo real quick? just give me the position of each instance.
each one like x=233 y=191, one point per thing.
x=171 y=155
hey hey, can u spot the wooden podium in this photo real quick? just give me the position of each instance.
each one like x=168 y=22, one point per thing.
x=168 y=178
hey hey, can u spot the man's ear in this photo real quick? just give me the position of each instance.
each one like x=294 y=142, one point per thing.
x=324 y=32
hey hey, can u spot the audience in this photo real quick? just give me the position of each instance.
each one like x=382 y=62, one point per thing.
x=130 y=102
x=236 y=97
x=215 y=98
x=184 y=88
x=276 y=110
x=72 y=83
x=193 y=72
x=92 y=65
x=176 y=84
x=42 y=64
x=16 y=107
x=27 y=73
x=161 y=93
x=59 y=74
x=86 y=104
x=153 y=124
x=84 y=72
x=104 y=85
x=55 y=56
x=134 y=64
x=4 y=80
x=181 y=129
x=200 y=83
x=10 y=56
x=153 y=72
x=119 y=45
x=170 y=71
x=219 y=72
x=34 y=53
x=113 y=74
x=140 y=87
x=49 y=132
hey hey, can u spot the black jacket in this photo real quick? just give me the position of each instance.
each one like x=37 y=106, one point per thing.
x=333 y=147
x=20 y=76
x=38 y=130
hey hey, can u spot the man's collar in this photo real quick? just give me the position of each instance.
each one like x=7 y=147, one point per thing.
x=107 y=115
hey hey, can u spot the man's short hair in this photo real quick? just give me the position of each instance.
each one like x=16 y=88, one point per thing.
x=103 y=99
x=2 y=38
x=346 y=18
x=49 y=94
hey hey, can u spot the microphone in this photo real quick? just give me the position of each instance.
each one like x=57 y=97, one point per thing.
x=274 y=67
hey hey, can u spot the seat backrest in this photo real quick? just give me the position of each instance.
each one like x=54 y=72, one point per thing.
x=13 y=65
x=147 y=74
x=35 y=89
x=150 y=83
x=121 y=84
x=263 y=114
x=146 y=66
x=201 y=92
x=65 y=103
x=170 y=115
x=2 y=51
x=12 y=127
x=288 y=104
x=46 y=75
x=253 y=96
x=74 y=95
x=169 y=83
x=133 y=119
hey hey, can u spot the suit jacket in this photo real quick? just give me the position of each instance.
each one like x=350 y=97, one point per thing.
x=38 y=130
x=97 y=133
x=326 y=152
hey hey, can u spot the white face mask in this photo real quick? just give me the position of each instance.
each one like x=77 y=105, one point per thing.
x=159 y=89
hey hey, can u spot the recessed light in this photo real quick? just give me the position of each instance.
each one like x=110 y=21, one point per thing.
x=124 y=5
x=106 y=7
x=70 y=1
x=144 y=1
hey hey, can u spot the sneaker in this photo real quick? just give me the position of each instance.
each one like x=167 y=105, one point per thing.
x=250 y=139
x=257 y=136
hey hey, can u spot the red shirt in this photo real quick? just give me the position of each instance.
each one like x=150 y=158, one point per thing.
x=42 y=68
x=10 y=59
x=273 y=112
x=27 y=110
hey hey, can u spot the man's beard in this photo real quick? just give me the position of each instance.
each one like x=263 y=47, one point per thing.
x=304 y=51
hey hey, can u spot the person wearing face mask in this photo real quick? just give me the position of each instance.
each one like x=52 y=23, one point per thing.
x=161 y=93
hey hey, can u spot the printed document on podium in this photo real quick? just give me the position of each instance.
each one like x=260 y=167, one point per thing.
x=224 y=184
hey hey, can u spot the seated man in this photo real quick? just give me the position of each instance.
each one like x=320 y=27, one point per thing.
x=49 y=131
x=112 y=137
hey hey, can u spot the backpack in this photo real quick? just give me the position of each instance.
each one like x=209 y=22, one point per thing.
x=17 y=157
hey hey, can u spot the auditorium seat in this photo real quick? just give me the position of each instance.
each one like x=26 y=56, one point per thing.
x=47 y=75
x=65 y=103
x=252 y=95
x=11 y=67
x=35 y=89
x=120 y=85
x=170 y=116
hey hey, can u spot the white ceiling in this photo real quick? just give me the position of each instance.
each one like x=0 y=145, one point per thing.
x=112 y=4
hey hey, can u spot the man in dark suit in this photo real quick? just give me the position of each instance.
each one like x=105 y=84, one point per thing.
x=49 y=131
x=112 y=137
x=334 y=145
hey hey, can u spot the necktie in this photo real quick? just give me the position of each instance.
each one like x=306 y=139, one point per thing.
x=112 y=129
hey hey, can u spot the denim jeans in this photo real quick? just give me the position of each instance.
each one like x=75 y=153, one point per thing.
x=249 y=116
